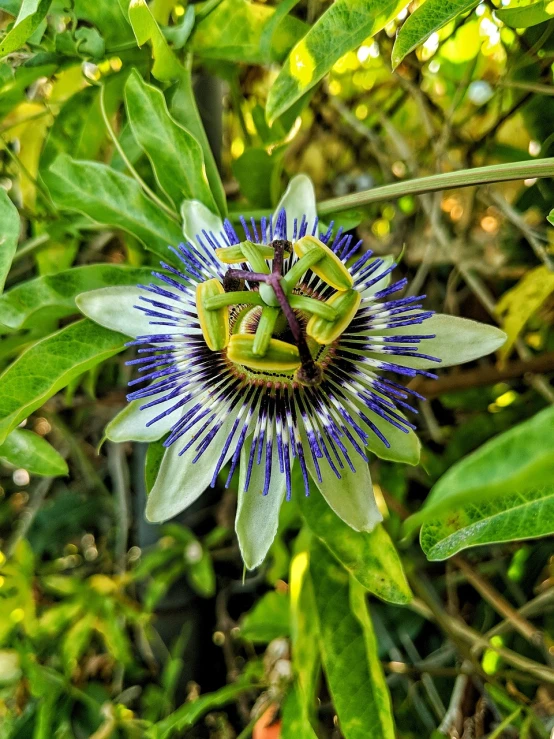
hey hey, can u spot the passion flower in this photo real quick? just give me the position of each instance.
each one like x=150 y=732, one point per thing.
x=277 y=347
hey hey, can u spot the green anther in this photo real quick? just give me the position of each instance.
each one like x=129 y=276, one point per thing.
x=298 y=270
x=313 y=306
x=252 y=254
x=268 y=293
x=330 y=269
x=264 y=331
x=346 y=305
x=239 y=297
x=214 y=323
x=280 y=356
x=235 y=255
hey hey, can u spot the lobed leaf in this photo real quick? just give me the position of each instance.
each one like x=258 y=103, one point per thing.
x=28 y=450
x=29 y=18
x=166 y=66
x=371 y=558
x=349 y=650
x=519 y=459
x=175 y=155
x=527 y=15
x=9 y=235
x=425 y=20
x=54 y=295
x=113 y=199
x=526 y=514
x=49 y=365
x=341 y=28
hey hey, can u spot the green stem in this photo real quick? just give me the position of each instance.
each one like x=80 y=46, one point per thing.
x=443 y=181
x=433 y=183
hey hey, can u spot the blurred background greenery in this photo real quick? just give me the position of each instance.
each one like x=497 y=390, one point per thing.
x=111 y=627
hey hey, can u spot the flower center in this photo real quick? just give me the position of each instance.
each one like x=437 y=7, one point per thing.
x=273 y=325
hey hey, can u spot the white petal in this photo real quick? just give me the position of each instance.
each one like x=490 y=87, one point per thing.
x=257 y=517
x=197 y=218
x=112 y=307
x=351 y=497
x=298 y=200
x=130 y=423
x=180 y=482
x=457 y=340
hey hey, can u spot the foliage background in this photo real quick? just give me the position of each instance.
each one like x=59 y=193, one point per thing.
x=113 y=627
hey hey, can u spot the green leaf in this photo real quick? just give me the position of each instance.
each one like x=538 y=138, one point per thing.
x=425 y=20
x=349 y=651
x=9 y=235
x=154 y=456
x=257 y=518
x=523 y=515
x=235 y=29
x=184 y=109
x=268 y=620
x=49 y=365
x=518 y=459
x=29 y=18
x=113 y=199
x=175 y=155
x=370 y=557
x=107 y=16
x=166 y=67
x=299 y=713
x=30 y=451
x=526 y=16
x=191 y=712
x=54 y=295
x=341 y=28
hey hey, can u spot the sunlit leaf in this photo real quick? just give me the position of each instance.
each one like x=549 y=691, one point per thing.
x=520 y=303
x=527 y=15
x=174 y=153
x=113 y=199
x=519 y=459
x=349 y=650
x=29 y=18
x=9 y=235
x=425 y=20
x=523 y=515
x=341 y=28
x=30 y=451
x=166 y=66
x=49 y=365
x=234 y=32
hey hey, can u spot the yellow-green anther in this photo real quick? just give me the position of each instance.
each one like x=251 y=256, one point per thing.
x=264 y=331
x=280 y=356
x=311 y=305
x=346 y=305
x=252 y=254
x=239 y=297
x=330 y=268
x=235 y=255
x=214 y=323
